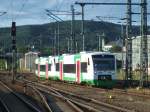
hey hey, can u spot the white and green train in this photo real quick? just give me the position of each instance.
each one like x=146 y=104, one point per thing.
x=95 y=68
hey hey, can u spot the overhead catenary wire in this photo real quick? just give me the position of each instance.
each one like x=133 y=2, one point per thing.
x=53 y=15
x=21 y=9
x=11 y=7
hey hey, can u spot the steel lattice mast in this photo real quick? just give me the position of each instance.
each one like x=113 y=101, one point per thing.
x=129 y=43
x=144 y=49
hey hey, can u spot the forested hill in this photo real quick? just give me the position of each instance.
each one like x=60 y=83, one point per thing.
x=42 y=36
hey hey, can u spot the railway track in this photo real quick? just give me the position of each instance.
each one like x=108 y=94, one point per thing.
x=86 y=104
x=50 y=106
x=71 y=105
x=11 y=101
x=43 y=99
x=114 y=90
x=54 y=108
x=120 y=98
x=3 y=107
x=61 y=105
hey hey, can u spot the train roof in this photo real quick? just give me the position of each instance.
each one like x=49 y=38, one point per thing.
x=81 y=53
x=89 y=52
x=95 y=53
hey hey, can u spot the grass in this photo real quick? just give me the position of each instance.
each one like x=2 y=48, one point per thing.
x=136 y=75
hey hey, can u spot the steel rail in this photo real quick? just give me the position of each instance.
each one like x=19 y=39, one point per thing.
x=3 y=106
x=42 y=97
x=88 y=99
x=54 y=93
x=95 y=101
x=118 y=91
x=21 y=99
x=72 y=102
x=58 y=95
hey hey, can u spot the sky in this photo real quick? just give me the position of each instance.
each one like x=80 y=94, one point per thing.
x=27 y=12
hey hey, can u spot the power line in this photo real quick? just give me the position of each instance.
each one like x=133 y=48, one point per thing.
x=2 y=13
x=53 y=15
x=11 y=5
x=21 y=9
x=91 y=3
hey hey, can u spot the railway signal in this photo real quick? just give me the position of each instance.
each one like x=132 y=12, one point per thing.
x=13 y=29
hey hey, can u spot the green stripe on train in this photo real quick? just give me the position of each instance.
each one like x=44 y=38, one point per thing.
x=69 y=79
x=100 y=83
x=41 y=77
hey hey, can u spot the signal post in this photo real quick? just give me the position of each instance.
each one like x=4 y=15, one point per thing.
x=13 y=35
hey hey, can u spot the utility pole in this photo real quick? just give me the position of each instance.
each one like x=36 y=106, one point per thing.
x=123 y=43
x=73 y=40
x=13 y=34
x=82 y=30
x=100 y=45
x=58 y=34
x=144 y=50
x=128 y=76
x=68 y=13
x=57 y=19
x=68 y=44
x=128 y=33
x=76 y=44
x=82 y=4
x=122 y=33
x=55 y=42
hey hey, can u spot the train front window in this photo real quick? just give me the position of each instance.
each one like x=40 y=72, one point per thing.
x=103 y=63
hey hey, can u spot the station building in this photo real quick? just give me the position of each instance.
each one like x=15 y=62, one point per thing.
x=29 y=61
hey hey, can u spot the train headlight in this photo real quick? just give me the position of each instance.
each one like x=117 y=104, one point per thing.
x=95 y=72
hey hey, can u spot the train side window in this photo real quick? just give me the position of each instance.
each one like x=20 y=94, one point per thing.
x=84 y=67
x=104 y=77
x=49 y=67
x=54 y=61
x=57 y=66
x=69 y=68
x=42 y=68
x=88 y=61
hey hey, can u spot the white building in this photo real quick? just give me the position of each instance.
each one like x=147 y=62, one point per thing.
x=136 y=47
x=29 y=60
x=107 y=48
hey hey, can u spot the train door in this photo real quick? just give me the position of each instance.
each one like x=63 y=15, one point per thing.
x=61 y=70
x=39 y=70
x=47 y=70
x=78 y=71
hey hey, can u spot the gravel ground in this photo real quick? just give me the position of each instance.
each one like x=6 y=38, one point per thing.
x=13 y=103
x=139 y=104
x=56 y=104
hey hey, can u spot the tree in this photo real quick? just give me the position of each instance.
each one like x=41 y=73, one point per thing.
x=116 y=48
